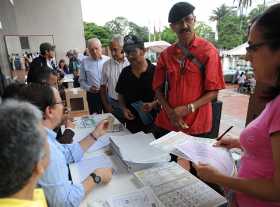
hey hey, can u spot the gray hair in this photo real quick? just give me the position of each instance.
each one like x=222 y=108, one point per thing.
x=118 y=39
x=21 y=144
x=93 y=40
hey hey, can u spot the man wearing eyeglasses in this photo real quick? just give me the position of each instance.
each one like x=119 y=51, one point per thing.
x=56 y=182
x=186 y=106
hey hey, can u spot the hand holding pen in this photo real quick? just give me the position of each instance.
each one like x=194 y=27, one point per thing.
x=227 y=142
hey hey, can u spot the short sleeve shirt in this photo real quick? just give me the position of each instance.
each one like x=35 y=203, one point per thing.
x=135 y=89
x=187 y=87
x=257 y=161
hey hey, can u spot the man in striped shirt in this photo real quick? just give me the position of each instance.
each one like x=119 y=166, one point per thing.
x=110 y=74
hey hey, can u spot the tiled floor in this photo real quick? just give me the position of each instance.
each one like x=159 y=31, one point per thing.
x=234 y=110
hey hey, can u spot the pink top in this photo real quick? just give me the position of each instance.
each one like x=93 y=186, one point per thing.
x=257 y=161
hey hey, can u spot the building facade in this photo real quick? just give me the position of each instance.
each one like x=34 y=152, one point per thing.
x=59 y=22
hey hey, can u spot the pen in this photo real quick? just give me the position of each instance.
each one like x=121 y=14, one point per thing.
x=223 y=134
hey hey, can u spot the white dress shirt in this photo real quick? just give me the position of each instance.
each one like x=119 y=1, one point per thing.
x=90 y=73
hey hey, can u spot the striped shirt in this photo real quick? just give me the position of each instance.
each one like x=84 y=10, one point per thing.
x=110 y=75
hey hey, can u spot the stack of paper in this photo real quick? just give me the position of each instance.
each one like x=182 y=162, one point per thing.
x=197 y=150
x=176 y=187
x=135 y=151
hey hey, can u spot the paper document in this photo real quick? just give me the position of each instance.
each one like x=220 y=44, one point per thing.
x=135 y=148
x=85 y=122
x=85 y=167
x=176 y=187
x=197 y=149
x=146 y=118
x=218 y=157
x=169 y=142
x=143 y=197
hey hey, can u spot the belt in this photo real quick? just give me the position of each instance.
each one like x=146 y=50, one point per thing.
x=96 y=92
x=112 y=99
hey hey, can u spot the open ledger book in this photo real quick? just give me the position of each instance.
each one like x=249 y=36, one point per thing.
x=196 y=149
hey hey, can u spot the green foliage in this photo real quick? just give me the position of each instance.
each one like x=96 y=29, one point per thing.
x=205 y=31
x=231 y=28
x=92 y=30
x=142 y=32
x=168 y=35
x=256 y=12
x=230 y=33
x=220 y=12
x=120 y=25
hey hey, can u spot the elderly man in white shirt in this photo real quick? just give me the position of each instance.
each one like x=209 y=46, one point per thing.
x=90 y=75
x=110 y=74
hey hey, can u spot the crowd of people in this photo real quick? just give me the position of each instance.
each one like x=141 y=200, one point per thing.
x=175 y=95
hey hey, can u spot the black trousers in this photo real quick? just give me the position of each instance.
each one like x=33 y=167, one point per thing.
x=94 y=103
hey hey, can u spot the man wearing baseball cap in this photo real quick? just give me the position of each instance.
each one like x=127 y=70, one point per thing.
x=47 y=53
x=186 y=102
x=134 y=86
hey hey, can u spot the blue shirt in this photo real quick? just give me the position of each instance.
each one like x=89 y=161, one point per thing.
x=59 y=190
x=90 y=73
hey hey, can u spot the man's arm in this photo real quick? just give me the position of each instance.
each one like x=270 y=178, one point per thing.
x=206 y=98
x=104 y=173
x=99 y=130
x=83 y=77
x=175 y=119
x=104 y=99
x=104 y=88
x=126 y=112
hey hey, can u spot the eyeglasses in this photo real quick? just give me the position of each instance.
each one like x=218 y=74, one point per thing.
x=255 y=47
x=59 y=102
x=188 y=19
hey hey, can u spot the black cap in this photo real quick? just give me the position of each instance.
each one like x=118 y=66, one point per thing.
x=130 y=42
x=179 y=11
x=46 y=46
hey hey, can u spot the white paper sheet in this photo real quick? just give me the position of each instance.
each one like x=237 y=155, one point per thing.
x=85 y=167
x=196 y=149
x=140 y=198
x=176 y=187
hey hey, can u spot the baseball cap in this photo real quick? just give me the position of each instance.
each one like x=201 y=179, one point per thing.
x=131 y=42
x=179 y=11
x=46 y=46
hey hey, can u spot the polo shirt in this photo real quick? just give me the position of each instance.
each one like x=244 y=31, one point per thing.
x=135 y=89
x=39 y=200
x=187 y=87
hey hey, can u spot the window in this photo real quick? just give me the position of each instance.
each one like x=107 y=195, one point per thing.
x=24 y=43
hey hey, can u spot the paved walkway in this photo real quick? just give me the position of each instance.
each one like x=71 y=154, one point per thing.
x=234 y=110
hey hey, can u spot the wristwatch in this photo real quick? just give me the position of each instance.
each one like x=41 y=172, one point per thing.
x=191 y=108
x=96 y=178
x=92 y=136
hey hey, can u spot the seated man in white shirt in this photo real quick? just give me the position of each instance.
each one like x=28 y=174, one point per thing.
x=110 y=75
x=59 y=189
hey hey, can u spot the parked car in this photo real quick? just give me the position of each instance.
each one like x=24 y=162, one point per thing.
x=229 y=75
